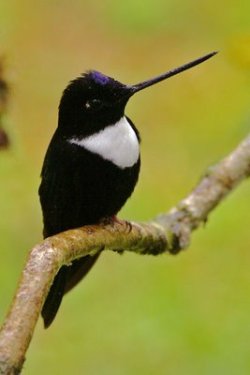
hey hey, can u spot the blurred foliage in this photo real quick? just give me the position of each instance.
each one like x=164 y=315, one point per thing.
x=4 y=94
x=136 y=315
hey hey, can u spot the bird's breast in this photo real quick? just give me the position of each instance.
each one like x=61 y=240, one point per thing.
x=117 y=143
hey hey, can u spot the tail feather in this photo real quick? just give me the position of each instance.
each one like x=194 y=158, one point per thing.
x=54 y=298
x=66 y=278
x=78 y=270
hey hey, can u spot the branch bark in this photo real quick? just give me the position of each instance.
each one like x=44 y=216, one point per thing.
x=169 y=232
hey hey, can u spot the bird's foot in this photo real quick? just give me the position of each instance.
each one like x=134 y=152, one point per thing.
x=115 y=220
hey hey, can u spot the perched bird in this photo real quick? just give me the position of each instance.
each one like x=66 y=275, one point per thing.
x=91 y=166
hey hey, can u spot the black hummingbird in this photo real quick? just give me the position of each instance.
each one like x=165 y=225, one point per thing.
x=91 y=166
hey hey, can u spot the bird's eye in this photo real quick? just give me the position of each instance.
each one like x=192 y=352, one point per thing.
x=93 y=105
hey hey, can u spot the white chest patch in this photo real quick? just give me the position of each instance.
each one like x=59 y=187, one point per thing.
x=117 y=143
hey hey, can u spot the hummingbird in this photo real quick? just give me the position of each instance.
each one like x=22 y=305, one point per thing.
x=91 y=166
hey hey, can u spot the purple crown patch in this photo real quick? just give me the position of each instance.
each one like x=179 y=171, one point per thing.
x=99 y=77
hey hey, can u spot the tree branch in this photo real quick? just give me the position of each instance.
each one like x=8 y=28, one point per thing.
x=169 y=232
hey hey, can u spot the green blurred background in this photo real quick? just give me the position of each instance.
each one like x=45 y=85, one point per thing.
x=187 y=314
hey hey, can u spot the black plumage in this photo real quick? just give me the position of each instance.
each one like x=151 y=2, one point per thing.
x=80 y=186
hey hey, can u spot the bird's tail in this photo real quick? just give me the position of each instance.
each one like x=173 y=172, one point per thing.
x=66 y=278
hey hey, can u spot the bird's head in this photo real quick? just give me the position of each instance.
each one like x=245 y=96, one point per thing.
x=94 y=101
x=91 y=102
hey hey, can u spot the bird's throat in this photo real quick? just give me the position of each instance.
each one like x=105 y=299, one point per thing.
x=117 y=143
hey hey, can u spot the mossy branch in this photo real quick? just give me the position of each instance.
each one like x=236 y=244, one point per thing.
x=169 y=232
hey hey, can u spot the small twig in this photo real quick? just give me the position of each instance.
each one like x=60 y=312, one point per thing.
x=169 y=232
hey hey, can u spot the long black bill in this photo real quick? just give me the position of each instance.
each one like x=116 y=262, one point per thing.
x=170 y=73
